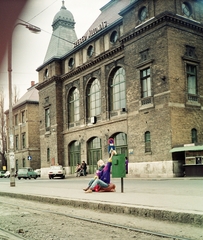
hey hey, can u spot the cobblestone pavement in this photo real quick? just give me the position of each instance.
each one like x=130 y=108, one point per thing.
x=26 y=219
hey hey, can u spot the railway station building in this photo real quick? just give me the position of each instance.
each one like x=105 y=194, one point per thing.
x=135 y=76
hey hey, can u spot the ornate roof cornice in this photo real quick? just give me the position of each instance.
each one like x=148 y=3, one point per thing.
x=165 y=17
x=48 y=82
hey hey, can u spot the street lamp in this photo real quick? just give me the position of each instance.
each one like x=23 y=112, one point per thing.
x=33 y=29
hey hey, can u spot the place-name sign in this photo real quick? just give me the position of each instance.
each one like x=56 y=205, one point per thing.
x=91 y=33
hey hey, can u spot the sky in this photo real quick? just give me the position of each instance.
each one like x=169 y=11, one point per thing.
x=29 y=49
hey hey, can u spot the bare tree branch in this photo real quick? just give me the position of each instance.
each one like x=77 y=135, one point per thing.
x=3 y=136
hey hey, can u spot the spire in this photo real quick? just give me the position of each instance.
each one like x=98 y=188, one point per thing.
x=63 y=5
x=63 y=29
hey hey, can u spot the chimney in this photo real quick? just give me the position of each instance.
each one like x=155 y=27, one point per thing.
x=32 y=83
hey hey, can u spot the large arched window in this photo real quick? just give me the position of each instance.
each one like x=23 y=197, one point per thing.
x=94 y=98
x=94 y=153
x=74 y=155
x=118 y=89
x=74 y=107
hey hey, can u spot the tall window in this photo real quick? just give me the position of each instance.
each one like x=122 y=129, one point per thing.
x=145 y=83
x=191 y=79
x=74 y=106
x=147 y=142
x=121 y=144
x=16 y=142
x=48 y=155
x=74 y=155
x=16 y=119
x=47 y=118
x=94 y=99
x=23 y=116
x=94 y=153
x=118 y=90
x=23 y=162
x=194 y=135
x=23 y=140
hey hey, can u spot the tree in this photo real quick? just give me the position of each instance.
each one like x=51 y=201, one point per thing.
x=3 y=137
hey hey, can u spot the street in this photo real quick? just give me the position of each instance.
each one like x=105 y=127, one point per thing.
x=178 y=195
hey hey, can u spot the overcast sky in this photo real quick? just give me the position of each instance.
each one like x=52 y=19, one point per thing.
x=29 y=49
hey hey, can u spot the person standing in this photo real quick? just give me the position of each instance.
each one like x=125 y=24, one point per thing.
x=126 y=165
x=84 y=167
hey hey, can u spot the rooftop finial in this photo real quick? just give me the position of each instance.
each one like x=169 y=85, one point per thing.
x=63 y=5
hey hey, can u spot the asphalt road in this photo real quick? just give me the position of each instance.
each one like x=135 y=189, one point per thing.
x=179 y=195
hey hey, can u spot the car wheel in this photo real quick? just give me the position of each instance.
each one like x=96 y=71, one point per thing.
x=19 y=178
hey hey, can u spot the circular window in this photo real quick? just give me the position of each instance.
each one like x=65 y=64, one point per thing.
x=90 y=51
x=143 y=13
x=186 y=8
x=114 y=37
x=71 y=62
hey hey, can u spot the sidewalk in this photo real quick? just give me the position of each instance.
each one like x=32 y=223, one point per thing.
x=177 y=199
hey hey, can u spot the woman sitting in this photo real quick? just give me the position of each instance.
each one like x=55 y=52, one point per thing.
x=102 y=178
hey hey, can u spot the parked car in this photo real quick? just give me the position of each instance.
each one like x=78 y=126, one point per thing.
x=26 y=173
x=38 y=171
x=2 y=174
x=7 y=174
x=57 y=171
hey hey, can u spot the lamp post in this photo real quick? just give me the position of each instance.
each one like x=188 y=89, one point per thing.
x=33 y=29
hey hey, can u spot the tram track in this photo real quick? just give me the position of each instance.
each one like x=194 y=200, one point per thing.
x=92 y=220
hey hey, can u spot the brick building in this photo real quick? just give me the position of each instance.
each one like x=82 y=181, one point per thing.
x=26 y=130
x=136 y=77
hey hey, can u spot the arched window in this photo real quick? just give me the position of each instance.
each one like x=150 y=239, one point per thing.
x=74 y=107
x=186 y=9
x=118 y=90
x=94 y=98
x=74 y=155
x=120 y=141
x=94 y=153
x=147 y=142
x=194 y=135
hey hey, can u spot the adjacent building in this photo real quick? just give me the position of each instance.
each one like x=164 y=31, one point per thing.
x=26 y=130
x=136 y=76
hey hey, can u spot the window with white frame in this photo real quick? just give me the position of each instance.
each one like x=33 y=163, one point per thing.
x=191 y=79
x=47 y=118
x=145 y=82
x=74 y=106
x=118 y=89
x=94 y=98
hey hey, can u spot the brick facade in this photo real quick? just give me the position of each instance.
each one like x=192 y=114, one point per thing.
x=161 y=43
x=26 y=131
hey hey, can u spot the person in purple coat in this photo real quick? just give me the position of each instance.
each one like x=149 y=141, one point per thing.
x=102 y=178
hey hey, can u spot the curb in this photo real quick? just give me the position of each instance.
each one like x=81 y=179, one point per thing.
x=158 y=214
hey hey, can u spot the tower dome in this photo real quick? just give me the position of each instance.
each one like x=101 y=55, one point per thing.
x=64 y=17
x=63 y=36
